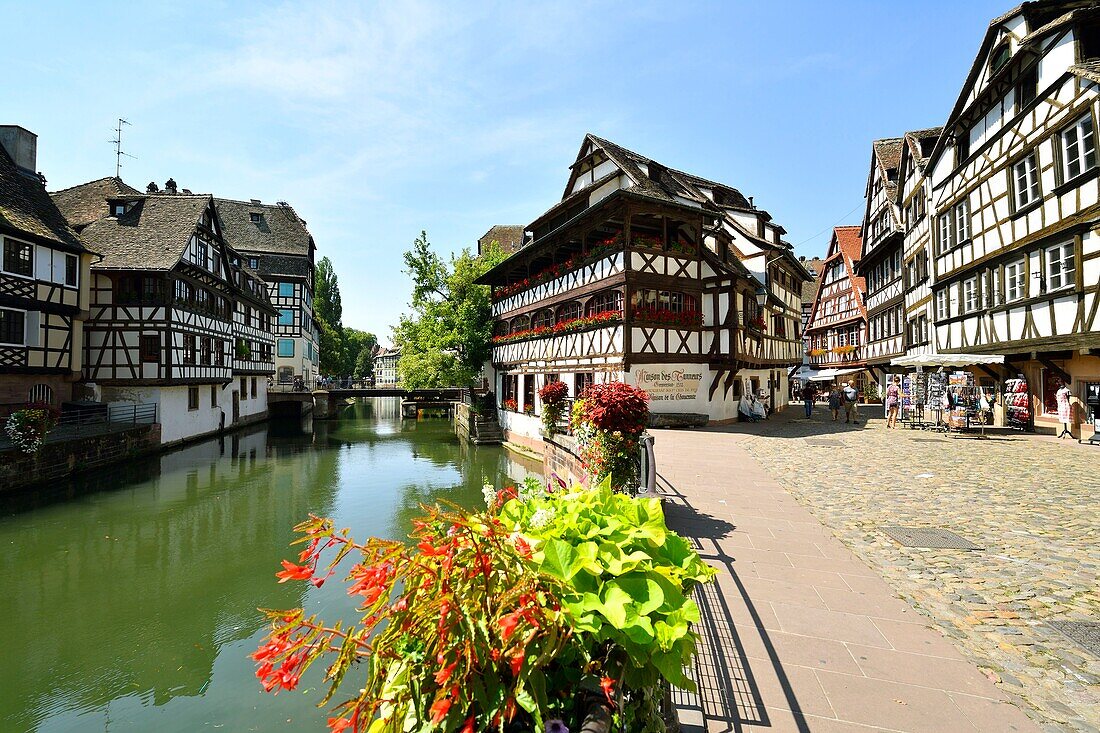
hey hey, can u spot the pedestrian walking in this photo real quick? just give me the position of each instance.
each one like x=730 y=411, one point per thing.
x=893 y=402
x=809 y=394
x=835 y=398
x=851 y=397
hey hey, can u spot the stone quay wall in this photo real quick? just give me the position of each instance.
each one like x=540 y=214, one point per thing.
x=58 y=460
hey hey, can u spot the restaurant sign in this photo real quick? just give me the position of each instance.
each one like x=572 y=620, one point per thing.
x=669 y=384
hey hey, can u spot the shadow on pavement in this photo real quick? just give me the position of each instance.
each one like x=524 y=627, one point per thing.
x=728 y=697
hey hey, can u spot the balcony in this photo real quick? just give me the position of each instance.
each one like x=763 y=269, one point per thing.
x=836 y=356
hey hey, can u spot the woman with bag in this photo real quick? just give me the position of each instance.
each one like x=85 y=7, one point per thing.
x=893 y=402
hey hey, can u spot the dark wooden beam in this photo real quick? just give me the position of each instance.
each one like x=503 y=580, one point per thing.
x=1056 y=369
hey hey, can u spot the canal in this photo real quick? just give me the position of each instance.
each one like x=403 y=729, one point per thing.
x=129 y=596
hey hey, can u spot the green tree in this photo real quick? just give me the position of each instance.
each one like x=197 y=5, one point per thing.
x=359 y=353
x=446 y=340
x=326 y=295
x=331 y=347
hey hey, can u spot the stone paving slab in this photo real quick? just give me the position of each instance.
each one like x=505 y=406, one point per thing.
x=1029 y=501
x=798 y=633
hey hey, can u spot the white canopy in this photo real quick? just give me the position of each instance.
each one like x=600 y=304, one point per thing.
x=947 y=360
x=823 y=375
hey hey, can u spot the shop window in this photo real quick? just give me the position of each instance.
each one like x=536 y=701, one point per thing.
x=1051 y=384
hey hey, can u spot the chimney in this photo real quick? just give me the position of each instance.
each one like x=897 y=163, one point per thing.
x=255 y=202
x=170 y=186
x=152 y=187
x=22 y=146
x=750 y=203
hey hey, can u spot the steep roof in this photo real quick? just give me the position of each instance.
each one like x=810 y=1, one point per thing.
x=509 y=236
x=1088 y=70
x=279 y=229
x=809 y=287
x=26 y=208
x=888 y=156
x=151 y=236
x=87 y=202
x=848 y=247
x=920 y=144
x=849 y=241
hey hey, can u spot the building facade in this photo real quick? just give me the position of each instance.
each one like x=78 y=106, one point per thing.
x=175 y=319
x=43 y=284
x=837 y=331
x=1015 y=199
x=914 y=193
x=650 y=276
x=880 y=262
x=385 y=367
x=274 y=242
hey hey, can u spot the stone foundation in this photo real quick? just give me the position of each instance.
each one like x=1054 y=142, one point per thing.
x=559 y=458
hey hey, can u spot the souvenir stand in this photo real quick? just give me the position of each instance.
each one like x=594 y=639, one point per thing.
x=1017 y=404
x=948 y=401
x=1092 y=407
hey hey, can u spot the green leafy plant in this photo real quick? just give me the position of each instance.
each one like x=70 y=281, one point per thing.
x=607 y=422
x=553 y=396
x=29 y=427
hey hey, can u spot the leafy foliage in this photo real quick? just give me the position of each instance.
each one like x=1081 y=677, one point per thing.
x=607 y=421
x=359 y=349
x=326 y=295
x=497 y=617
x=29 y=427
x=553 y=396
x=446 y=340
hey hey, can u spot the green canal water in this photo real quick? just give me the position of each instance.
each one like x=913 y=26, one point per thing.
x=129 y=597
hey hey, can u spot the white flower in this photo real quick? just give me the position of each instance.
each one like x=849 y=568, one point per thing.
x=489 y=493
x=541 y=518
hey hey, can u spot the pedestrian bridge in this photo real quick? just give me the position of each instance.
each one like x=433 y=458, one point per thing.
x=324 y=402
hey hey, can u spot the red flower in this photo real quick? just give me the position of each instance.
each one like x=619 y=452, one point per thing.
x=439 y=710
x=469 y=727
x=517 y=662
x=608 y=685
x=508 y=624
x=338 y=725
x=444 y=674
x=294 y=572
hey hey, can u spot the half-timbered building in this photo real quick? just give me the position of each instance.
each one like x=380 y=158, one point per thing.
x=837 y=331
x=166 y=323
x=275 y=242
x=914 y=192
x=652 y=276
x=43 y=283
x=880 y=261
x=1016 y=200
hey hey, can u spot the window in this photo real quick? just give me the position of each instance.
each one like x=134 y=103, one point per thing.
x=1060 y=266
x=962 y=221
x=18 y=258
x=213 y=395
x=12 y=326
x=119 y=209
x=192 y=398
x=255 y=217
x=219 y=352
x=999 y=57
x=150 y=289
x=1078 y=149
x=544 y=319
x=205 y=351
x=943 y=305
x=582 y=380
x=202 y=298
x=150 y=349
x=184 y=291
x=962 y=147
x=944 y=242
x=1027 y=87
x=71 y=265
x=286 y=290
x=189 y=348
x=286 y=347
x=253 y=263
x=1025 y=177
x=611 y=300
x=970 y=295
x=569 y=311
x=1015 y=283
x=253 y=385
x=244 y=388
x=200 y=252
x=286 y=317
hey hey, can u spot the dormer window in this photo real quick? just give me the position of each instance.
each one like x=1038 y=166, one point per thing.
x=119 y=209
x=999 y=57
x=255 y=217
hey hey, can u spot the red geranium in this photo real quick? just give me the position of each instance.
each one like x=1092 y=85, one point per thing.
x=616 y=406
x=553 y=393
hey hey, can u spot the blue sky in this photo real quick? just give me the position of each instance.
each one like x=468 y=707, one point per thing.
x=377 y=120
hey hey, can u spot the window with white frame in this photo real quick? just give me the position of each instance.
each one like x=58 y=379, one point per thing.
x=962 y=221
x=1015 y=282
x=970 y=295
x=1025 y=177
x=1078 y=147
x=1060 y=266
x=943 y=305
x=945 y=232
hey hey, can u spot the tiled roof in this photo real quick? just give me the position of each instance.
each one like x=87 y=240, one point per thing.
x=509 y=236
x=849 y=241
x=1089 y=70
x=920 y=144
x=809 y=290
x=888 y=155
x=87 y=202
x=151 y=236
x=25 y=207
x=279 y=230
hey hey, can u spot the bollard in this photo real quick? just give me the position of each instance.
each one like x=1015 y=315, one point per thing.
x=648 y=474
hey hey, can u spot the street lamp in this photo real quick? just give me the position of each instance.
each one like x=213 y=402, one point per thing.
x=761 y=296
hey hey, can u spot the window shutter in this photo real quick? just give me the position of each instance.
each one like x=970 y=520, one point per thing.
x=32 y=328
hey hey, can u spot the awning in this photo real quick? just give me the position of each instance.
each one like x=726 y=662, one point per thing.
x=822 y=375
x=947 y=360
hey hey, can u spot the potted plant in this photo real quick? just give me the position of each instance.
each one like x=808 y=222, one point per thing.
x=607 y=422
x=553 y=396
x=27 y=428
x=510 y=405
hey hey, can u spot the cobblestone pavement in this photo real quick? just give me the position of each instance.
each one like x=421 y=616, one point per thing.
x=1030 y=503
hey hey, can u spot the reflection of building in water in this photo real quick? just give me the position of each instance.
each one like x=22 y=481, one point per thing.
x=139 y=596
x=385 y=408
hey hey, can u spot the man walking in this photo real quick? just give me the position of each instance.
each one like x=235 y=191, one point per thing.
x=809 y=394
x=851 y=397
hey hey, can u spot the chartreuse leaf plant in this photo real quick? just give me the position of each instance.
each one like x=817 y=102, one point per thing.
x=495 y=620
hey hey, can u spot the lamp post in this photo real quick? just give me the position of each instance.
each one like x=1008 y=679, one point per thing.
x=761 y=297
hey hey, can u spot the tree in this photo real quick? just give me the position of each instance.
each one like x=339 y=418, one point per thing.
x=326 y=295
x=446 y=340
x=331 y=347
x=359 y=353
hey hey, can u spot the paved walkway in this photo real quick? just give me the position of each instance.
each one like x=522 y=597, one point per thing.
x=799 y=634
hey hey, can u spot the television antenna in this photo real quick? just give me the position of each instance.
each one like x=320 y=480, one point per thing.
x=118 y=146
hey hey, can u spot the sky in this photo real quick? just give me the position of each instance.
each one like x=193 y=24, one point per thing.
x=379 y=120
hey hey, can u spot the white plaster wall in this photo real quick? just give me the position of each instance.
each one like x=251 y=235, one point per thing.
x=177 y=422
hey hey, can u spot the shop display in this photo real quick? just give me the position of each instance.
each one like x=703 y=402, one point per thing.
x=1017 y=402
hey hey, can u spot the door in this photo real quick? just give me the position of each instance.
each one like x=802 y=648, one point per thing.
x=236 y=407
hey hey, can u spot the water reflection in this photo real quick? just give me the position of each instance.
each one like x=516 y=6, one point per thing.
x=136 y=607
